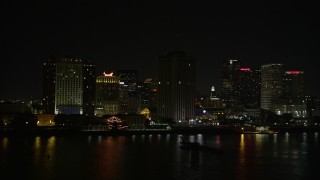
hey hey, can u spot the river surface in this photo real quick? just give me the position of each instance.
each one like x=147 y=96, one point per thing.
x=246 y=156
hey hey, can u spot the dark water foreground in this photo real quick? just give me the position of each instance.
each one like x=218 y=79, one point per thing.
x=159 y=156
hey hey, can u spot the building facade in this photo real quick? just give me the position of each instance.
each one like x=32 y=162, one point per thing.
x=248 y=89
x=68 y=86
x=129 y=98
x=176 y=88
x=271 y=85
x=89 y=88
x=294 y=86
x=107 y=95
x=48 y=89
x=230 y=80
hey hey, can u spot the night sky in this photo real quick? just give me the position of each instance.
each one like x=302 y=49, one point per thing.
x=132 y=34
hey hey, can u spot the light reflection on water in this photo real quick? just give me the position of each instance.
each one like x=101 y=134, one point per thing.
x=156 y=156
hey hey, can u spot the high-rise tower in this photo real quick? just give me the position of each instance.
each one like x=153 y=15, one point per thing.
x=107 y=99
x=68 y=86
x=230 y=75
x=48 y=89
x=89 y=84
x=128 y=91
x=248 y=89
x=271 y=85
x=176 y=73
x=294 y=86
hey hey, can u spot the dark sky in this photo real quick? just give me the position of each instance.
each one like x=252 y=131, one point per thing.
x=132 y=34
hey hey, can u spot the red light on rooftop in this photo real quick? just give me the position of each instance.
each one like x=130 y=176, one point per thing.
x=294 y=72
x=245 y=69
x=154 y=90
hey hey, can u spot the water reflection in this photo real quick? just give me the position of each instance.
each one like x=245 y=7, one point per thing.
x=245 y=156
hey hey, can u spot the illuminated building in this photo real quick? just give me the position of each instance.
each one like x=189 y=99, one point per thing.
x=107 y=95
x=212 y=107
x=230 y=71
x=148 y=92
x=129 y=99
x=293 y=96
x=271 y=85
x=176 y=88
x=68 y=86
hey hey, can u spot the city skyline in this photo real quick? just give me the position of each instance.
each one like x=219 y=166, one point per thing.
x=133 y=35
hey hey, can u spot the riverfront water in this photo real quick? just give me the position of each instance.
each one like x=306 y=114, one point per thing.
x=246 y=156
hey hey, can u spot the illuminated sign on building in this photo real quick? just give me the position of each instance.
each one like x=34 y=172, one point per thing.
x=294 y=72
x=245 y=69
x=108 y=74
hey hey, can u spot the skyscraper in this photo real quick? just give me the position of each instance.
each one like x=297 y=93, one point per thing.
x=230 y=80
x=89 y=83
x=48 y=89
x=176 y=75
x=129 y=99
x=293 y=101
x=294 y=86
x=271 y=85
x=148 y=91
x=68 y=86
x=107 y=95
x=248 y=89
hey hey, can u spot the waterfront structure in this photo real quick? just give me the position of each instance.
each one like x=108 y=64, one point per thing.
x=230 y=71
x=176 y=87
x=107 y=95
x=271 y=85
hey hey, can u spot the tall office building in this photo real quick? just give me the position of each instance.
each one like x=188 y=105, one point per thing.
x=148 y=91
x=107 y=95
x=248 y=89
x=89 y=83
x=129 y=98
x=230 y=75
x=48 y=89
x=271 y=85
x=68 y=86
x=294 y=86
x=176 y=73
